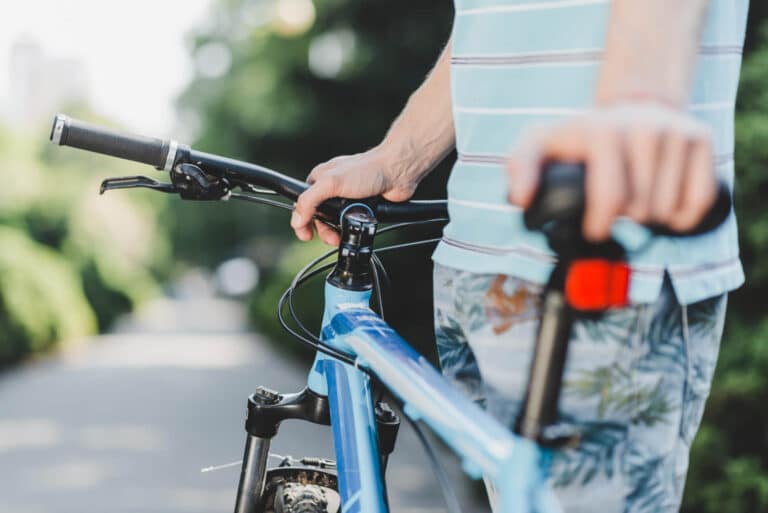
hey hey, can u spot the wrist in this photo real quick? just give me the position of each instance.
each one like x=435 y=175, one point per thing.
x=399 y=161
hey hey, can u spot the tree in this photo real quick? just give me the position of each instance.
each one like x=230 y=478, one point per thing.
x=273 y=107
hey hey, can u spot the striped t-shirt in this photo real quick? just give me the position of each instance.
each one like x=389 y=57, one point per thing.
x=518 y=62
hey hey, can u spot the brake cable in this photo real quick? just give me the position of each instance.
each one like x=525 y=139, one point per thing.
x=309 y=271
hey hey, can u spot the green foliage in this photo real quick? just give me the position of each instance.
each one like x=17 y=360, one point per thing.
x=729 y=460
x=752 y=182
x=71 y=260
x=263 y=305
x=271 y=109
x=41 y=300
x=117 y=244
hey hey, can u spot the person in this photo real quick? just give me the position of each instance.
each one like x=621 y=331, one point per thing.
x=643 y=93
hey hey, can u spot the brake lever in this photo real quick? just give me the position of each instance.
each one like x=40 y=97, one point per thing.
x=188 y=180
x=193 y=184
x=136 y=182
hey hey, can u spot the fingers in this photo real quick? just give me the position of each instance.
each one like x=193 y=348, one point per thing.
x=526 y=160
x=353 y=177
x=651 y=164
x=307 y=203
x=302 y=229
x=643 y=148
x=606 y=186
x=597 y=144
x=399 y=194
x=327 y=234
x=669 y=180
x=320 y=170
x=700 y=188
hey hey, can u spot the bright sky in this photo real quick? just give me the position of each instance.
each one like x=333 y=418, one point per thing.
x=134 y=51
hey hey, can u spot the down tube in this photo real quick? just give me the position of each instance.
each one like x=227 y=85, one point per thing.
x=476 y=436
x=354 y=439
x=517 y=466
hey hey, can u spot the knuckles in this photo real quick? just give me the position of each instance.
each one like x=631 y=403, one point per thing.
x=628 y=140
x=664 y=213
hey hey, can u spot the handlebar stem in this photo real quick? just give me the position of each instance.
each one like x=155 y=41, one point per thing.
x=352 y=271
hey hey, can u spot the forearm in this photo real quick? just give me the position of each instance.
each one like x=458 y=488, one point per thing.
x=423 y=133
x=651 y=51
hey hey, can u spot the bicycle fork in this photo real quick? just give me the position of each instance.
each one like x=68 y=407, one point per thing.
x=253 y=475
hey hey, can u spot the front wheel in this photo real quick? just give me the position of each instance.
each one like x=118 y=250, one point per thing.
x=298 y=498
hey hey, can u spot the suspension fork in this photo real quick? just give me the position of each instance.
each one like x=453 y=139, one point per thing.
x=266 y=410
x=253 y=474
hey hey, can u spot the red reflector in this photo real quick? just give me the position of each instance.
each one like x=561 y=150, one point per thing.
x=596 y=284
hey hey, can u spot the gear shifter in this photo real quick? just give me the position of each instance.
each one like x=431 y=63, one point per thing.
x=192 y=183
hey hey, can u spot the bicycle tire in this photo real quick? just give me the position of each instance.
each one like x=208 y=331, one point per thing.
x=300 y=498
x=301 y=490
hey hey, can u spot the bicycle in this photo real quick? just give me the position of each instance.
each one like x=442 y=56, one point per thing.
x=357 y=350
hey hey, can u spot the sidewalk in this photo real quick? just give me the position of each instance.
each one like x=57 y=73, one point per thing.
x=126 y=422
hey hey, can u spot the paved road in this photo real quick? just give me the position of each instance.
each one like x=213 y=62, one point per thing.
x=126 y=422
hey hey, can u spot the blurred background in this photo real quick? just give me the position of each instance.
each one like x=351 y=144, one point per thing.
x=133 y=326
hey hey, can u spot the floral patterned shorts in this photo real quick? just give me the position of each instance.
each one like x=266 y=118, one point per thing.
x=635 y=383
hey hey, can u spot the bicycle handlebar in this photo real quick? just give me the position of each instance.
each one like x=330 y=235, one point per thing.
x=165 y=155
x=562 y=197
x=291 y=188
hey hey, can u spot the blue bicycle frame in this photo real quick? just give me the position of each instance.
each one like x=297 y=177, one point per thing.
x=517 y=466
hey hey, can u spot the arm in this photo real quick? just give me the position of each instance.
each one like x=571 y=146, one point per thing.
x=647 y=158
x=650 y=51
x=417 y=141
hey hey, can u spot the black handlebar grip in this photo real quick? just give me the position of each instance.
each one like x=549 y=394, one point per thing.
x=561 y=196
x=85 y=136
x=718 y=213
x=422 y=210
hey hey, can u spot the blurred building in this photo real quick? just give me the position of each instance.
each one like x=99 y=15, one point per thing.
x=39 y=84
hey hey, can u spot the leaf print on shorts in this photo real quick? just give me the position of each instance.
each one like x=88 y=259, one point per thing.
x=634 y=387
x=620 y=396
x=597 y=452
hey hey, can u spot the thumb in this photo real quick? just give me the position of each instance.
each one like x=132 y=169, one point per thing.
x=399 y=194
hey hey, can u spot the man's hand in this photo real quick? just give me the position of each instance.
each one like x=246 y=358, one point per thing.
x=416 y=142
x=649 y=162
x=372 y=173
